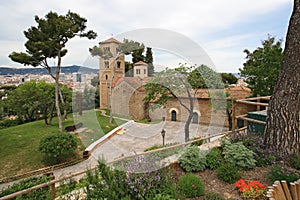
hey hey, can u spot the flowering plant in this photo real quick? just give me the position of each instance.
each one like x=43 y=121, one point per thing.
x=252 y=189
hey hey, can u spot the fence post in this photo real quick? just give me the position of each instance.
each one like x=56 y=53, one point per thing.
x=233 y=115
x=53 y=189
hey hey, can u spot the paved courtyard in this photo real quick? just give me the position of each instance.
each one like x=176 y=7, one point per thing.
x=135 y=139
x=138 y=137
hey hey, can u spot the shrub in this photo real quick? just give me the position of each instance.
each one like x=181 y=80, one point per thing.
x=262 y=154
x=9 y=123
x=294 y=161
x=214 y=158
x=193 y=160
x=105 y=183
x=196 y=143
x=228 y=173
x=43 y=193
x=55 y=145
x=239 y=155
x=190 y=186
x=281 y=172
x=213 y=196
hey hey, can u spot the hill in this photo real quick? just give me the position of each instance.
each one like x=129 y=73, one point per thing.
x=34 y=70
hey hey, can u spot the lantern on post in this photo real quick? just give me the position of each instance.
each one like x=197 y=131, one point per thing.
x=163 y=133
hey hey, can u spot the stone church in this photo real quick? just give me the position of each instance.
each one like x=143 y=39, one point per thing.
x=127 y=93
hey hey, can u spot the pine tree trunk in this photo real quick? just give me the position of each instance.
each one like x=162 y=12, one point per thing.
x=57 y=93
x=282 y=128
x=63 y=104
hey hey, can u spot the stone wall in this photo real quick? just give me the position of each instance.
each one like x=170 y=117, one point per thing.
x=137 y=107
x=121 y=98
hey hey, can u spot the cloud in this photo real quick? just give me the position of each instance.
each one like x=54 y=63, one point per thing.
x=206 y=22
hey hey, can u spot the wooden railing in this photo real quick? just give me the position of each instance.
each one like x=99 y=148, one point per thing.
x=40 y=171
x=256 y=101
x=54 y=182
x=281 y=191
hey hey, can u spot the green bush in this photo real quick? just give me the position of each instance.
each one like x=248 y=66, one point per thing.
x=196 y=143
x=10 y=123
x=239 y=155
x=263 y=154
x=214 y=196
x=43 y=193
x=294 y=161
x=190 y=186
x=57 y=144
x=228 y=173
x=105 y=183
x=281 y=172
x=193 y=160
x=214 y=158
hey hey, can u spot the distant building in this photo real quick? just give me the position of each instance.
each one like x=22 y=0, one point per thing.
x=140 y=69
x=77 y=77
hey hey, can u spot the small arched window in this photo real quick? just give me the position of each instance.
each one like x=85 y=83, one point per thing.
x=173 y=116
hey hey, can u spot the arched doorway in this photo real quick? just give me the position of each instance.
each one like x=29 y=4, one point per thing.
x=173 y=116
x=195 y=118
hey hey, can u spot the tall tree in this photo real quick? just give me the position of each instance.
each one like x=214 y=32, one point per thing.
x=128 y=69
x=47 y=41
x=149 y=61
x=262 y=67
x=134 y=48
x=229 y=78
x=204 y=77
x=282 y=129
x=137 y=55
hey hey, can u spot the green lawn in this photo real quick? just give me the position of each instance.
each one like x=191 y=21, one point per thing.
x=19 y=145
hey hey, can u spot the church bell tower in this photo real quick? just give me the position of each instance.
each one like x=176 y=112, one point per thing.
x=109 y=66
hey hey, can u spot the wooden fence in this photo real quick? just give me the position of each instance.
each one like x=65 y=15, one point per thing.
x=281 y=191
x=256 y=101
x=40 y=171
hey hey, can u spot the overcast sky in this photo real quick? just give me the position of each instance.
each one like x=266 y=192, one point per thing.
x=222 y=28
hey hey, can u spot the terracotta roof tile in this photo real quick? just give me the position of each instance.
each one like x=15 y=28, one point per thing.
x=110 y=40
x=140 y=63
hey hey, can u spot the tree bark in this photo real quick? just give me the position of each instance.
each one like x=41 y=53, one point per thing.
x=63 y=104
x=187 y=126
x=282 y=128
x=57 y=89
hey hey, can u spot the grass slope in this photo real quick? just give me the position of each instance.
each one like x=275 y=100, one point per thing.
x=19 y=145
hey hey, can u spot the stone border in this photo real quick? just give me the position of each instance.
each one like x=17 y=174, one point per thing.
x=94 y=145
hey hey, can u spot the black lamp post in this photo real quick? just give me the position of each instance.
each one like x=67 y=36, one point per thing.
x=163 y=133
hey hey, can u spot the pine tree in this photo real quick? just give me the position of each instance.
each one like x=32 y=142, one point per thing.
x=149 y=61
